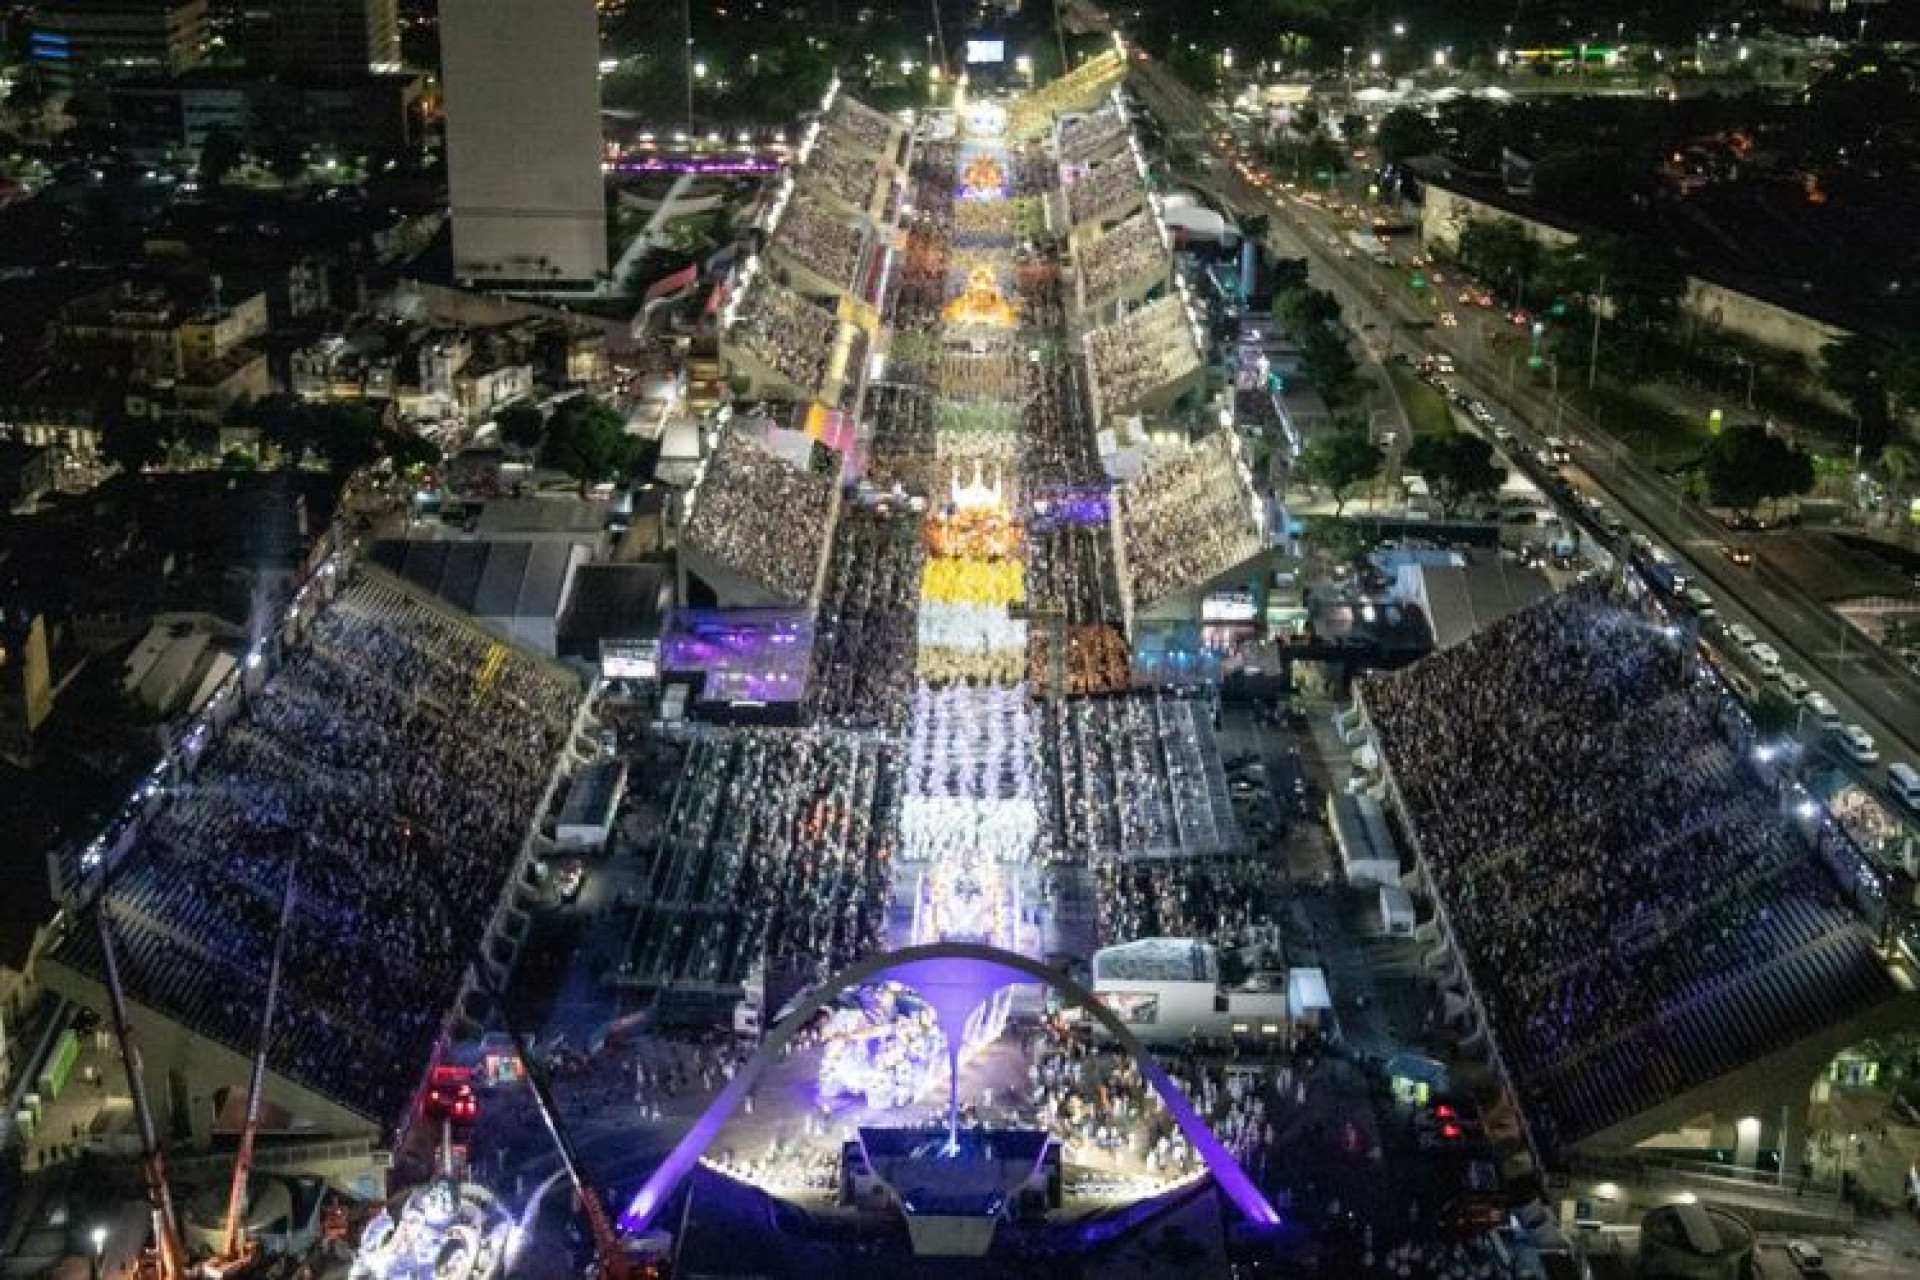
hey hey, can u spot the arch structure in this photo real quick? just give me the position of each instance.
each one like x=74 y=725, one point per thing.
x=953 y=978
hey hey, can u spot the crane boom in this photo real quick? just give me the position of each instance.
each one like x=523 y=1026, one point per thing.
x=611 y=1257
x=166 y=1236
x=233 y=1246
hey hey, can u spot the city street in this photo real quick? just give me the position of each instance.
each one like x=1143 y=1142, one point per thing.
x=1869 y=688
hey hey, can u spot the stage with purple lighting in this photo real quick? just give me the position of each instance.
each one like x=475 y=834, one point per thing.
x=918 y=1043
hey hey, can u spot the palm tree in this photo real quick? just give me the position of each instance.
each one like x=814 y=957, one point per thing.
x=1899 y=463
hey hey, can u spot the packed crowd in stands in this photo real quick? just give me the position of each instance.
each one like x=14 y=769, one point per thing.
x=1094 y=136
x=1111 y=189
x=1187 y=519
x=1137 y=776
x=764 y=517
x=863 y=654
x=791 y=335
x=840 y=172
x=1622 y=884
x=820 y=242
x=860 y=126
x=395 y=761
x=1141 y=354
x=1131 y=252
x=778 y=846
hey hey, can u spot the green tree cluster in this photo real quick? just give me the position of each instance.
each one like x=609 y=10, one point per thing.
x=1745 y=466
x=1878 y=375
x=1339 y=461
x=1457 y=466
x=587 y=439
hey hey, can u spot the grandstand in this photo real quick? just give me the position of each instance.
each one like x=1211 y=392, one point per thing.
x=788 y=346
x=1145 y=360
x=1092 y=137
x=824 y=253
x=399 y=758
x=762 y=518
x=1128 y=262
x=1636 y=920
x=1079 y=90
x=1106 y=192
x=1186 y=520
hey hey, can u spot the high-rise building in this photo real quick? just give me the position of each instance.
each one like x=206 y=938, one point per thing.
x=522 y=96
x=324 y=37
x=79 y=40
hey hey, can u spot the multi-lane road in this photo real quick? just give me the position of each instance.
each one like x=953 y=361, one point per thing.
x=1869 y=688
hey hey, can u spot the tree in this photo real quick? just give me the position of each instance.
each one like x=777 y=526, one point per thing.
x=1773 y=713
x=1404 y=133
x=1339 y=461
x=587 y=439
x=1303 y=310
x=1331 y=366
x=1334 y=539
x=1855 y=368
x=1456 y=466
x=1500 y=252
x=1747 y=465
x=1472 y=126
x=521 y=425
x=219 y=155
x=133 y=444
x=1899 y=463
x=1353 y=128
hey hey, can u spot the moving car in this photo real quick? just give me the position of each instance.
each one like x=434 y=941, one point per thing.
x=1805 y=1256
x=1743 y=635
x=1905 y=781
x=1737 y=553
x=1794 y=684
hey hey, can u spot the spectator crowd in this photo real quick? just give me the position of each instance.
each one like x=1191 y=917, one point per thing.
x=395 y=763
x=1635 y=912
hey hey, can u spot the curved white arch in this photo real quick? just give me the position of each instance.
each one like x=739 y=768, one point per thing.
x=953 y=977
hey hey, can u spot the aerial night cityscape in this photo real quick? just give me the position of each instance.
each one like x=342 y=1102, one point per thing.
x=1046 y=639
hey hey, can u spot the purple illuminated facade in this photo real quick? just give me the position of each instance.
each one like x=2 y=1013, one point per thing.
x=953 y=977
x=747 y=655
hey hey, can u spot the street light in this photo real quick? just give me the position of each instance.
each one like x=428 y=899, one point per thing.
x=99 y=1236
x=1374 y=59
x=1440 y=58
x=1399 y=29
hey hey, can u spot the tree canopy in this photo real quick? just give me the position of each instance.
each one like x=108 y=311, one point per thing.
x=1405 y=133
x=521 y=425
x=1745 y=466
x=1340 y=460
x=588 y=440
x=1456 y=466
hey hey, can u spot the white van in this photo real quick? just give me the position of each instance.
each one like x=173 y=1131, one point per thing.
x=1824 y=712
x=1702 y=603
x=1766 y=659
x=1858 y=745
x=1905 y=780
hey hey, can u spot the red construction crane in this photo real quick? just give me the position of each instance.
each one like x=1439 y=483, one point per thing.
x=239 y=1255
x=170 y=1255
